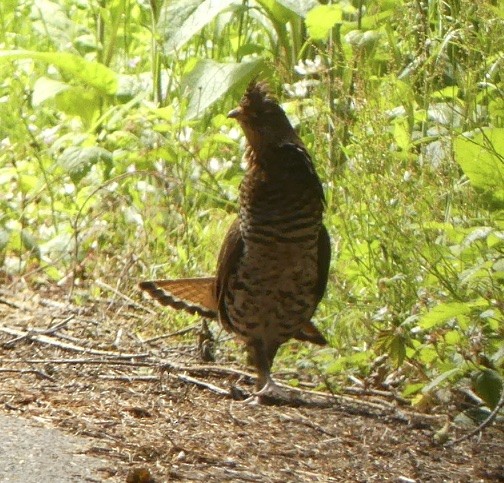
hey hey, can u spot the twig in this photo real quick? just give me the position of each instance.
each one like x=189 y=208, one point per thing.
x=38 y=373
x=31 y=332
x=71 y=347
x=129 y=378
x=206 y=385
x=11 y=304
x=307 y=422
x=376 y=392
x=106 y=286
x=82 y=361
x=180 y=377
x=183 y=331
x=483 y=425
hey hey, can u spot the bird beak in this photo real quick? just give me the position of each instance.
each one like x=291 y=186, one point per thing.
x=235 y=113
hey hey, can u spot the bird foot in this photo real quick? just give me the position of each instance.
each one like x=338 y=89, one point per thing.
x=270 y=393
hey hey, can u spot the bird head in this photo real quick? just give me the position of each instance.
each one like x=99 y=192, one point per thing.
x=263 y=121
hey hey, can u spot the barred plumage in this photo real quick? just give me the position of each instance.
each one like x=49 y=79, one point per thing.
x=273 y=266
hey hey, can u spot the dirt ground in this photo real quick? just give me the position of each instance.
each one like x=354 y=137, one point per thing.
x=152 y=411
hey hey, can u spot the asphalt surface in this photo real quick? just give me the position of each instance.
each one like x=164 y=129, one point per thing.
x=34 y=454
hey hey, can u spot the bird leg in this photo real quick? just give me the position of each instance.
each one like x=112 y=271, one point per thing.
x=266 y=388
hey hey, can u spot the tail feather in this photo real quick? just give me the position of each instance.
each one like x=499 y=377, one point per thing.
x=194 y=295
x=311 y=334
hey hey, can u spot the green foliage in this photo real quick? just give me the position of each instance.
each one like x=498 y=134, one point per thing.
x=482 y=159
x=117 y=162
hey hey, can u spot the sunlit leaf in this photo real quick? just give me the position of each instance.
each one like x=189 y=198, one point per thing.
x=482 y=159
x=488 y=386
x=181 y=20
x=442 y=378
x=88 y=72
x=45 y=88
x=443 y=312
x=77 y=161
x=210 y=80
x=321 y=19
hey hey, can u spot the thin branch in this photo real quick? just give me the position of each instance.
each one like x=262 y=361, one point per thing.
x=487 y=422
x=206 y=385
x=38 y=373
x=132 y=302
x=183 y=331
x=66 y=346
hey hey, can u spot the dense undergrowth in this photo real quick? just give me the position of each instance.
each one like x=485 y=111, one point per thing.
x=117 y=163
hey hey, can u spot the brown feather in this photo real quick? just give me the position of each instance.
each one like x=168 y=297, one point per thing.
x=194 y=295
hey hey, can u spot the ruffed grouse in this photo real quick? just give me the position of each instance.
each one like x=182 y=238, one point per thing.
x=273 y=264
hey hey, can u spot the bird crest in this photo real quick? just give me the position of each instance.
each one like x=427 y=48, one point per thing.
x=257 y=95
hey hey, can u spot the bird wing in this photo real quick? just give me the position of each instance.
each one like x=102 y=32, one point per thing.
x=194 y=295
x=229 y=256
x=323 y=261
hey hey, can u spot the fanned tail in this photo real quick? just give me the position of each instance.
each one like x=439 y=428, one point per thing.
x=311 y=334
x=194 y=295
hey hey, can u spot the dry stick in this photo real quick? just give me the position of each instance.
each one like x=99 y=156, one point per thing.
x=40 y=374
x=172 y=334
x=483 y=425
x=180 y=377
x=375 y=392
x=83 y=361
x=130 y=378
x=11 y=304
x=306 y=422
x=71 y=347
x=206 y=385
x=106 y=286
x=31 y=332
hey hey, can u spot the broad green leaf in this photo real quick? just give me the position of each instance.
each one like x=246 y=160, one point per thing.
x=482 y=159
x=488 y=386
x=443 y=312
x=427 y=355
x=452 y=337
x=77 y=161
x=401 y=133
x=27 y=182
x=450 y=92
x=181 y=20
x=299 y=7
x=88 y=72
x=210 y=80
x=79 y=101
x=53 y=273
x=281 y=11
x=321 y=19
x=45 y=89
x=441 y=378
x=411 y=389
x=74 y=100
x=397 y=349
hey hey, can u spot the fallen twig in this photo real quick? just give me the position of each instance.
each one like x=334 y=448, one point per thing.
x=130 y=378
x=83 y=361
x=487 y=422
x=66 y=346
x=132 y=302
x=38 y=373
x=206 y=385
x=30 y=332
x=183 y=331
